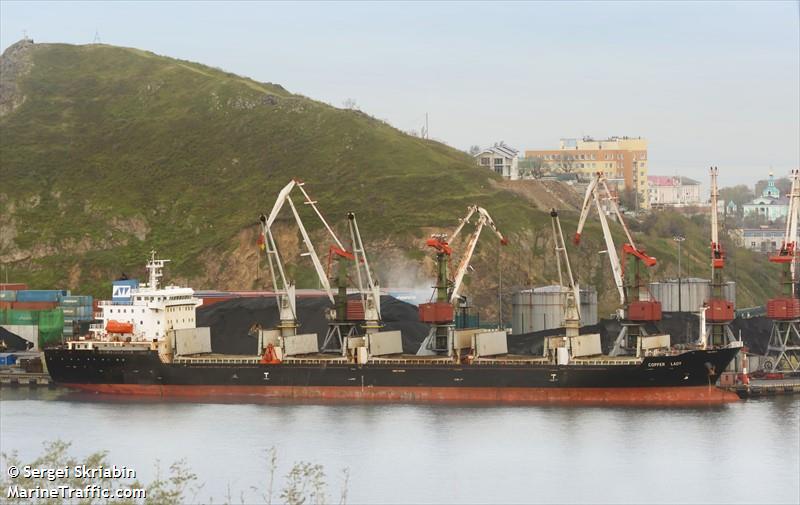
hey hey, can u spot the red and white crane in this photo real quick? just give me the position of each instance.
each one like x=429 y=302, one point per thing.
x=783 y=350
x=719 y=312
x=627 y=273
x=440 y=313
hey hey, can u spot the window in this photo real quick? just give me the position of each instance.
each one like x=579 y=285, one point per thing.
x=485 y=162
x=498 y=161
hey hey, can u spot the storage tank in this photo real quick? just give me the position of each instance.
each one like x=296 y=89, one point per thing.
x=693 y=293
x=542 y=308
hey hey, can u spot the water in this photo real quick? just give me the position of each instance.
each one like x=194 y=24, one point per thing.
x=748 y=452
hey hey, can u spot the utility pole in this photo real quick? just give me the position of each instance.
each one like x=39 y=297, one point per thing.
x=427 y=131
x=679 y=239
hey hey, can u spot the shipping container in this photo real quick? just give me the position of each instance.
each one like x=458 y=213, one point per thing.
x=51 y=327
x=34 y=305
x=77 y=300
x=12 y=286
x=8 y=296
x=78 y=312
x=41 y=295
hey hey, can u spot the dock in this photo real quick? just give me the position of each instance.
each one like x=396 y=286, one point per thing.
x=27 y=379
x=761 y=388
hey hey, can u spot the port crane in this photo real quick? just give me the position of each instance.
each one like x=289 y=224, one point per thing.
x=634 y=312
x=341 y=317
x=440 y=313
x=719 y=312
x=783 y=350
x=572 y=307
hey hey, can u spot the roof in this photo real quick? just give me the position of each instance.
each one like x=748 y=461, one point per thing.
x=670 y=180
x=501 y=149
x=768 y=200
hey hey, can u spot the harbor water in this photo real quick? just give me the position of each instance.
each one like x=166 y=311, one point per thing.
x=746 y=452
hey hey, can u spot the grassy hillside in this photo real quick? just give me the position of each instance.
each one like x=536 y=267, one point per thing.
x=113 y=152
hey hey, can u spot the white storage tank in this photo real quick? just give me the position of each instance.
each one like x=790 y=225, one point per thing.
x=542 y=308
x=693 y=293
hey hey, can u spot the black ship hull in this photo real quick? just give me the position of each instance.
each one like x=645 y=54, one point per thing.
x=687 y=378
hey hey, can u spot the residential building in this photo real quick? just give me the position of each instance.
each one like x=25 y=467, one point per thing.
x=501 y=158
x=763 y=238
x=672 y=191
x=623 y=157
x=770 y=206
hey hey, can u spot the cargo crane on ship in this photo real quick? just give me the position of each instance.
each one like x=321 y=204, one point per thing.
x=572 y=308
x=719 y=312
x=634 y=312
x=783 y=350
x=346 y=315
x=440 y=313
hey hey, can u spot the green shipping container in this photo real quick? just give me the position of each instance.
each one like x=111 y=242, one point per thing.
x=51 y=327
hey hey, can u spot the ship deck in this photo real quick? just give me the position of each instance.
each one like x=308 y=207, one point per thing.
x=402 y=359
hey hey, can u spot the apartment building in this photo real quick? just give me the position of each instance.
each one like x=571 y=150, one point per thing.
x=623 y=157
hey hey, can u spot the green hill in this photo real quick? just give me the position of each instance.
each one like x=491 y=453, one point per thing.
x=109 y=152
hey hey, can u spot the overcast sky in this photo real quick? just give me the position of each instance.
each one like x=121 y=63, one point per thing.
x=706 y=83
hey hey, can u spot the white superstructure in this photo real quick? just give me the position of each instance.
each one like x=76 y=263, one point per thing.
x=151 y=311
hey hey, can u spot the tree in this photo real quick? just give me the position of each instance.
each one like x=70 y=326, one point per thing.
x=473 y=150
x=350 y=104
x=532 y=168
x=739 y=195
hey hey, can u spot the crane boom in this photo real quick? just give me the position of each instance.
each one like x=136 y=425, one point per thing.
x=483 y=220
x=370 y=297
x=717 y=255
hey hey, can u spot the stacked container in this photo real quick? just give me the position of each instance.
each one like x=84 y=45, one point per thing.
x=33 y=313
x=78 y=310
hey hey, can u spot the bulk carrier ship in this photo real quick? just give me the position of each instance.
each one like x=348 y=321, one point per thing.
x=149 y=344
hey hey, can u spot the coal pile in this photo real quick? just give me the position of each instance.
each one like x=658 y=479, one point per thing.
x=231 y=320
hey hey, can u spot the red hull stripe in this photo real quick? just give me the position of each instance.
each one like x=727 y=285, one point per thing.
x=587 y=396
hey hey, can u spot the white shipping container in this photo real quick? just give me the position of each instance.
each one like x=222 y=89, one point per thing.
x=491 y=343
x=654 y=341
x=192 y=341
x=385 y=342
x=462 y=339
x=585 y=345
x=300 y=344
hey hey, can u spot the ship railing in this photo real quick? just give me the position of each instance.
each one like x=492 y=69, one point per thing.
x=102 y=303
x=214 y=361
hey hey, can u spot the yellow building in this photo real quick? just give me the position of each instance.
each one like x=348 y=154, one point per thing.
x=622 y=157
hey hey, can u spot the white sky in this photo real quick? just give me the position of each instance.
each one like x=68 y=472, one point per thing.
x=705 y=82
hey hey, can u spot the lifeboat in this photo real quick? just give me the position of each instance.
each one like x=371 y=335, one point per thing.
x=119 y=327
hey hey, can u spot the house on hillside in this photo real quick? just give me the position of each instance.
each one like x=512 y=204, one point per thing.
x=672 y=191
x=501 y=158
x=770 y=206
